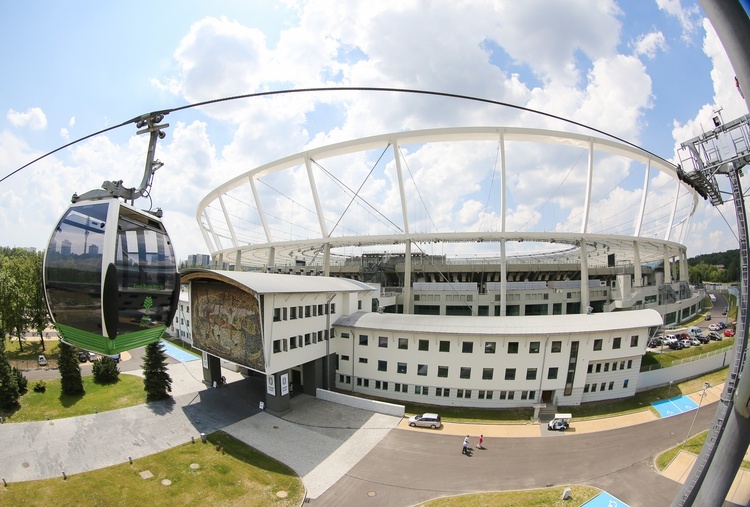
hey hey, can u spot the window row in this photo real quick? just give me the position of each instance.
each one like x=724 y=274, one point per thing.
x=301 y=312
x=467 y=347
x=294 y=342
x=464 y=371
x=591 y=388
x=442 y=392
x=605 y=367
x=616 y=342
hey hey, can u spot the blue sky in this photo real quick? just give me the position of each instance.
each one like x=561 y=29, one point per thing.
x=650 y=71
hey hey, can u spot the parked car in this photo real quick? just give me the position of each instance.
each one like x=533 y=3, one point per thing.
x=685 y=343
x=561 y=422
x=725 y=311
x=714 y=336
x=722 y=325
x=83 y=357
x=676 y=345
x=703 y=338
x=41 y=360
x=714 y=327
x=695 y=342
x=669 y=339
x=708 y=316
x=92 y=357
x=728 y=333
x=426 y=420
x=655 y=342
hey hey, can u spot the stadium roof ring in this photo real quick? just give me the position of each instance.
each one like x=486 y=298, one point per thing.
x=589 y=196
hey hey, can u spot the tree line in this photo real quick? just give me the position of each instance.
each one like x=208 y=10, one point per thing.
x=705 y=268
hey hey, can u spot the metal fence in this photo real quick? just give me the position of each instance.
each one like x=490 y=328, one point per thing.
x=687 y=359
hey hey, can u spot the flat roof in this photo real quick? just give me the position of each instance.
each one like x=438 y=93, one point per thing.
x=277 y=283
x=517 y=325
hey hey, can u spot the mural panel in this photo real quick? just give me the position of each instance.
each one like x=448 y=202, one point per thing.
x=226 y=323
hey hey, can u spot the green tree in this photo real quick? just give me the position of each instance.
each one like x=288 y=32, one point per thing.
x=156 y=380
x=38 y=312
x=70 y=371
x=105 y=371
x=23 y=383
x=9 y=392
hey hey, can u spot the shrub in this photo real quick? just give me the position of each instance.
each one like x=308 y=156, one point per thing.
x=105 y=371
x=40 y=386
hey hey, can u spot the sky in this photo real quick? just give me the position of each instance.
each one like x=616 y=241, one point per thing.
x=651 y=72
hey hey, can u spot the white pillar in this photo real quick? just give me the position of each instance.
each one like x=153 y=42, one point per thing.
x=585 y=300
x=503 y=280
x=637 y=272
x=407 y=279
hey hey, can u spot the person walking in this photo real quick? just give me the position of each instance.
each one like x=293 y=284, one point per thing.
x=481 y=439
x=465 y=447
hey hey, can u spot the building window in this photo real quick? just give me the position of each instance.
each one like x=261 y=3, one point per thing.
x=467 y=347
x=446 y=393
x=307 y=338
x=630 y=364
x=634 y=341
x=383 y=341
x=465 y=372
x=422 y=370
x=511 y=395
x=382 y=365
x=622 y=365
x=293 y=313
x=593 y=388
x=530 y=373
x=616 y=343
x=524 y=395
x=556 y=346
x=489 y=348
x=572 y=364
x=363 y=360
x=480 y=395
x=459 y=393
x=403 y=344
x=625 y=384
x=601 y=387
x=606 y=367
x=510 y=374
x=598 y=367
x=445 y=346
x=443 y=371
x=586 y=388
x=424 y=345
x=363 y=339
x=293 y=342
x=467 y=393
x=276 y=346
x=590 y=368
x=276 y=314
x=503 y=395
x=534 y=348
x=552 y=373
x=438 y=391
x=488 y=373
x=611 y=386
x=345 y=335
x=307 y=311
x=598 y=344
x=512 y=347
x=333 y=308
x=401 y=368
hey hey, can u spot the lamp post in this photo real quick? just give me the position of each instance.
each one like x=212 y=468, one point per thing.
x=706 y=386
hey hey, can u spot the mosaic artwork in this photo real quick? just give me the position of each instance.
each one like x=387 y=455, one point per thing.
x=226 y=323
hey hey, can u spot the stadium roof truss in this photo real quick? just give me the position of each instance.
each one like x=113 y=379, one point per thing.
x=219 y=224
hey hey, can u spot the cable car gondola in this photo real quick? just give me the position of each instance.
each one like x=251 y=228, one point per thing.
x=110 y=273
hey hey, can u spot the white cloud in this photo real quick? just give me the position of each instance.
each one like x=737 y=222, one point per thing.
x=688 y=17
x=72 y=121
x=34 y=118
x=64 y=134
x=649 y=44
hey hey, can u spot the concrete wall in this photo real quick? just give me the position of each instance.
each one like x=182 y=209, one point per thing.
x=680 y=372
x=364 y=404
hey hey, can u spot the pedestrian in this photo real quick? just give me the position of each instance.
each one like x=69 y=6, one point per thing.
x=481 y=439
x=465 y=448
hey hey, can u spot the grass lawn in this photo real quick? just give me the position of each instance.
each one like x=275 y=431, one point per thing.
x=669 y=356
x=693 y=445
x=550 y=497
x=126 y=392
x=31 y=350
x=238 y=476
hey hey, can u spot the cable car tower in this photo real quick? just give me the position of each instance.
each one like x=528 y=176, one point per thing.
x=110 y=273
x=722 y=151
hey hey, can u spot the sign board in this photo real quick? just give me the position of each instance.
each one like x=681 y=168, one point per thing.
x=284 y=384
x=271 y=385
x=205 y=361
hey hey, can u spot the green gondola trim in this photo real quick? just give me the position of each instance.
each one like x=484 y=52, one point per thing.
x=103 y=345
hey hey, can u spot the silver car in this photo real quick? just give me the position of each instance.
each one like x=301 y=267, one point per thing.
x=426 y=420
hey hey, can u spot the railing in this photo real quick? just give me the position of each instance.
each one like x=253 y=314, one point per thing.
x=686 y=360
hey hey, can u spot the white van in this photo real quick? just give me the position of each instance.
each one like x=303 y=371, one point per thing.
x=694 y=331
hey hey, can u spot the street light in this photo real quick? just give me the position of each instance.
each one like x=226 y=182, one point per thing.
x=706 y=386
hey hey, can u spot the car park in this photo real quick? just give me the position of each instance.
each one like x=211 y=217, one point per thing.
x=728 y=333
x=83 y=357
x=426 y=421
x=714 y=327
x=41 y=360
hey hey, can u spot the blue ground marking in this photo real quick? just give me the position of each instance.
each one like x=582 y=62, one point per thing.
x=604 y=499
x=178 y=353
x=674 y=406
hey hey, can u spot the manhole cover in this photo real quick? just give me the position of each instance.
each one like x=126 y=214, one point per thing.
x=282 y=494
x=166 y=482
x=146 y=474
x=371 y=493
x=275 y=427
x=25 y=464
x=194 y=466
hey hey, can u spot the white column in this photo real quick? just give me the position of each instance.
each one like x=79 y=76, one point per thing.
x=327 y=259
x=637 y=272
x=667 y=267
x=684 y=275
x=407 y=278
x=238 y=260
x=589 y=183
x=503 y=280
x=644 y=195
x=271 y=259
x=585 y=300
